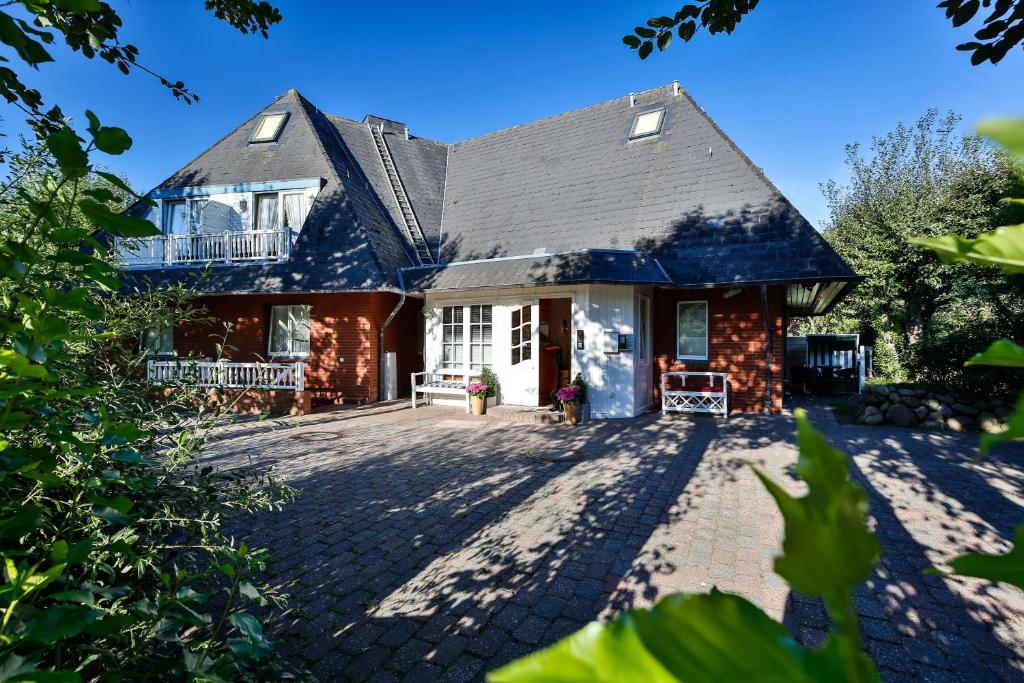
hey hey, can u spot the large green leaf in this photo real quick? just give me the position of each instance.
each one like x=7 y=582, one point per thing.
x=1002 y=353
x=116 y=223
x=1003 y=247
x=1008 y=132
x=1008 y=568
x=828 y=548
x=66 y=148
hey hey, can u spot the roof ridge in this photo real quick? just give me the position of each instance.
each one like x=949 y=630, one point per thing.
x=566 y=113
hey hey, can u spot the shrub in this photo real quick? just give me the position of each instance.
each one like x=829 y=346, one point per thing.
x=488 y=377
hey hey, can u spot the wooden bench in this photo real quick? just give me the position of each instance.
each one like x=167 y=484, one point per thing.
x=440 y=384
x=705 y=397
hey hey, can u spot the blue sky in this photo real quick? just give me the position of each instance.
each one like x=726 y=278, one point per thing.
x=795 y=83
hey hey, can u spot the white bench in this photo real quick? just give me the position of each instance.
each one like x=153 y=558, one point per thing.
x=435 y=384
x=705 y=398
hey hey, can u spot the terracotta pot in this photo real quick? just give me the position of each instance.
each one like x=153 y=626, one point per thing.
x=572 y=413
x=478 y=404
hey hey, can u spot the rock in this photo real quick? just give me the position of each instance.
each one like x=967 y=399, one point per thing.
x=933 y=404
x=991 y=424
x=945 y=410
x=910 y=401
x=964 y=409
x=996 y=402
x=921 y=393
x=900 y=415
x=982 y=406
x=921 y=412
x=933 y=422
x=878 y=388
x=1004 y=411
x=871 y=399
x=871 y=416
x=960 y=424
x=894 y=397
x=948 y=399
x=884 y=407
x=906 y=392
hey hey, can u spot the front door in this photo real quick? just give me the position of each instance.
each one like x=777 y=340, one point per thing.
x=521 y=385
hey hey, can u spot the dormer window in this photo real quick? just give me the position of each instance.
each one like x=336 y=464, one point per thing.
x=269 y=127
x=647 y=124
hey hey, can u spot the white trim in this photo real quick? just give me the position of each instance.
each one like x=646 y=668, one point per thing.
x=707 y=331
x=291 y=338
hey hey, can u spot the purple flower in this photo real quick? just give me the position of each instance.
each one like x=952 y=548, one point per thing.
x=477 y=389
x=569 y=394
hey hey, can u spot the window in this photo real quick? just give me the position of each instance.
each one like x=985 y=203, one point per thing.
x=466 y=333
x=266 y=212
x=269 y=127
x=453 y=335
x=289 y=331
x=158 y=340
x=292 y=213
x=479 y=337
x=175 y=217
x=195 y=214
x=522 y=335
x=643 y=331
x=647 y=124
x=692 y=330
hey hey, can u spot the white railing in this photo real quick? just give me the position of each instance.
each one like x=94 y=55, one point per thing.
x=704 y=396
x=219 y=247
x=227 y=374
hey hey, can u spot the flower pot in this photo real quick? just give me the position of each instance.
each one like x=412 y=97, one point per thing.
x=572 y=413
x=478 y=404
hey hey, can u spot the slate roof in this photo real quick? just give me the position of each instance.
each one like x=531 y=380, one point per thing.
x=544 y=192
x=607 y=266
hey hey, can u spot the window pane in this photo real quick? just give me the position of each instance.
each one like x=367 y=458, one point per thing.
x=279 y=333
x=526 y=313
x=486 y=314
x=449 y=354
x=293 y=211
x=516 y=320
x=475 y=354
x=692 y=329
x=460 y=333
x=693 y=346
x=446 y=315
x=487 y=355
x=459 y=354
x=526 y=333
x=526 y=351
x=515 y=337
x=474 y=314
x=175 y=218
x=515 y=356
x=457 y=314
x=266 y=212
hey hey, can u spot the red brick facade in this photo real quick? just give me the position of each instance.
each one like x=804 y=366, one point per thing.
x=344 y=360
x=736 y=342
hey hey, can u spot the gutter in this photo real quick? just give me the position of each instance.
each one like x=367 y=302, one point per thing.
x=383 y=328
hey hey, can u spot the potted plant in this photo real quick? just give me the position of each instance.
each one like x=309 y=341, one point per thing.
x=488 y=377
x=478 y=397
x=570 y=398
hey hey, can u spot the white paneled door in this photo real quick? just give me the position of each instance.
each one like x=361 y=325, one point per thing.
x=520 y=385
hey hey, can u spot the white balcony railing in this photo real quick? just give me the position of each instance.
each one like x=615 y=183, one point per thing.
x=289 y=376
x=223 y=247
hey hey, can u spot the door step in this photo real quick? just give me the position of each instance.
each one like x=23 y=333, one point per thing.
x=526 y=414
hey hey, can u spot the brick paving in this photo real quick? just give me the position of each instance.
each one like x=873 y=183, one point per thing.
x=431 y=545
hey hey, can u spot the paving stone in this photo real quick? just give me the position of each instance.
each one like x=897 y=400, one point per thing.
x=465 y=668
x=531 y=631
x=448 y=650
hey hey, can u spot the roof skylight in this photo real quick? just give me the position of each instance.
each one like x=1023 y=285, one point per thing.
x=647 y=124
x=269 y=127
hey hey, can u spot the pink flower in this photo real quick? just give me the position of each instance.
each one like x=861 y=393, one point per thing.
x=569 y=394
x=477 y=389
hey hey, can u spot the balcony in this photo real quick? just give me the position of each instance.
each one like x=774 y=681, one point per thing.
x=206 y=373
x=235 y=246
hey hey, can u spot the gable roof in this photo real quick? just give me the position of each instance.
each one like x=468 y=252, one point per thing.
x=538 y=194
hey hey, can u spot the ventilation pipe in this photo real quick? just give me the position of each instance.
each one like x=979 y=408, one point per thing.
x=380 y=347
x=675 y=88
x=632 y=99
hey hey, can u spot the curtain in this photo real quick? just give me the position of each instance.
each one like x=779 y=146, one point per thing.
x=293 y=211
x=175 y=218
x=266 y=212
x=692 y=322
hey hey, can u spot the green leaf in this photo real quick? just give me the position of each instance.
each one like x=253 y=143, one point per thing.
x=1003 y=247
x=692 y=638
x=645 y=32
x=66 y=148
x=1002 y=353
x=116 y=223
x=1008 y=568
x=23 y=521
x=59 y=621
x=632 y=41
x=112 y=140
x=1014 y=430
x=828 y=548
x=248 y=625
x=687 y=29
x=1008 y=132
x=645 y=50
x=248 y=590
x=664 y=39
x=20 y=365
x=121 y=185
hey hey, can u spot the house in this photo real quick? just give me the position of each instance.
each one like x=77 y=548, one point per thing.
x=619 y=241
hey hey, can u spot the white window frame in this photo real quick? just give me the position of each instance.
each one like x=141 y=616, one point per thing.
x=164 y=335
x=290 y=352
x=193 y=228
x=633 y=135
x=467 y=337
x=707 y=331
x=281 y=194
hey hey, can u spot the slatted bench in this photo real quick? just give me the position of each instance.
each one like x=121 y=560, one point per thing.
x=706 y=397
x=440 y=384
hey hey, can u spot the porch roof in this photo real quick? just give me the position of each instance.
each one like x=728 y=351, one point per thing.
x=591 y=265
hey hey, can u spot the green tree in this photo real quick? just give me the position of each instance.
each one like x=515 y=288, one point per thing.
x=923 y=181
x=1002 y=30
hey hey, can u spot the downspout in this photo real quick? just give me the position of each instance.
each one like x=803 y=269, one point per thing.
x=767 y=351
x=383 y=328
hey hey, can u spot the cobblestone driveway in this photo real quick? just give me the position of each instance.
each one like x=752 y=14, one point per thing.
x=432 y=545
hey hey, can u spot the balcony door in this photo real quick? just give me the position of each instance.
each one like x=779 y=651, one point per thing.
x=521 y=386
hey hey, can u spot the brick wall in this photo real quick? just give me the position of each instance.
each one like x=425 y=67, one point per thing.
x=736 y=342
x=343 y=363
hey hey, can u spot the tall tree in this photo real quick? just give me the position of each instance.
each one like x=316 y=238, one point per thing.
x=921 y=181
